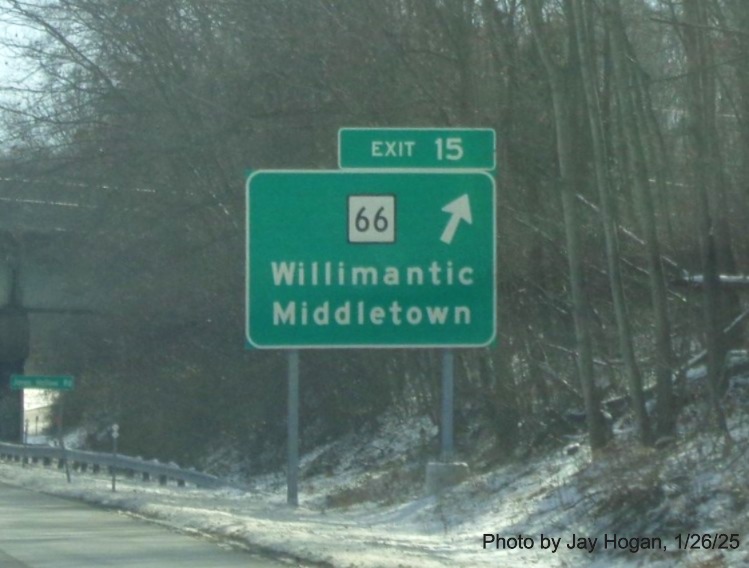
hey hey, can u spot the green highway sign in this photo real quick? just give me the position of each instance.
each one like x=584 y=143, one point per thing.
x=417 y=148
x=63 y=382
x=370 y=259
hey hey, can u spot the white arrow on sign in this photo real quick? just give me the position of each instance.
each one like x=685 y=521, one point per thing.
x=459 y=210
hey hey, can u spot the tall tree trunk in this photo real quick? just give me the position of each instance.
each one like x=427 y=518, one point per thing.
x=608 y=218
x=701 y=99
x=739 y=12
x=562 y=82
x=504 y=52
x=633 y=127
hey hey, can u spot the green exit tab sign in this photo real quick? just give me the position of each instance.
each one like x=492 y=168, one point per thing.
x=417 y=148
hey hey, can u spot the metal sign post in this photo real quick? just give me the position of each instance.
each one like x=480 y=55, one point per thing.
x=115 y=435
x=22 y=414
x=448 y=398
x=62 y=439
x=25 y=437
x=292 y=474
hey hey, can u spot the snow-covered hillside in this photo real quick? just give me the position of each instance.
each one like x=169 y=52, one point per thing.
x=363 y=503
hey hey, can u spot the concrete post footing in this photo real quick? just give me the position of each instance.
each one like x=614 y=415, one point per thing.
x=443 y=475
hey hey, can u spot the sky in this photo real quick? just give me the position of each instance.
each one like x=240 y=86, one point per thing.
x=14 y=71
x=9 y=62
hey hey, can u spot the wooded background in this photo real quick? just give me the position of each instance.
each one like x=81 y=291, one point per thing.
x=623 y=162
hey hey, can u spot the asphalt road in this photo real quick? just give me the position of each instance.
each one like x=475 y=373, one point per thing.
x=40 y=531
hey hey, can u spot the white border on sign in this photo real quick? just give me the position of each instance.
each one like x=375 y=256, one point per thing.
x=378 y=171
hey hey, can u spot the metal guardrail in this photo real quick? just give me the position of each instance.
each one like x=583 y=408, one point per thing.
x=80 y=460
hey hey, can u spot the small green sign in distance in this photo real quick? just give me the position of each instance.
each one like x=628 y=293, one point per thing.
x=417 y=148
x=63 y=382
x=370 y=259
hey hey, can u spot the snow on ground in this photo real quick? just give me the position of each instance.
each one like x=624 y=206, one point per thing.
x=379 y=515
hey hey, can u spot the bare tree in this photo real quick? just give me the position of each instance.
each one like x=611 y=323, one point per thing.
x=707 y=178
x=608 y=216
x=564 y=81
x=634 y=120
